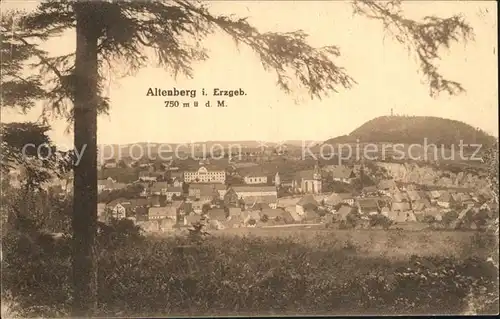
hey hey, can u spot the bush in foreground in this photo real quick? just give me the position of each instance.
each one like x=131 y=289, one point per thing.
x=247 y=275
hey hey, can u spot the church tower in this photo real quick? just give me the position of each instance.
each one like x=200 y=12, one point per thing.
x=317 y=180
x=277 y=180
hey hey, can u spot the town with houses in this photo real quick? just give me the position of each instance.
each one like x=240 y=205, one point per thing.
x=171 y=195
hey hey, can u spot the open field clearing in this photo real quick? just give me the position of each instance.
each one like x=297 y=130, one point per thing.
x=391 y=243
x=264 y=271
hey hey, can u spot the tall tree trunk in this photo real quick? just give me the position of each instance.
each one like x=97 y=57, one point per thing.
x=84 y=219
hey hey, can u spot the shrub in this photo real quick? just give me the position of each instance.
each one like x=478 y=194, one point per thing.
x=352 y=219
x=119 y=232
x=380 y=220
x=197 y=233
x=449 y=217
x=429 y=219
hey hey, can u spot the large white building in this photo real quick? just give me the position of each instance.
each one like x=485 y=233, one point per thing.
x=204 y=175
x=255 y=179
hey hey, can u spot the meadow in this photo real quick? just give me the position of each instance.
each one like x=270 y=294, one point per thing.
x=374 y=242
x=299 y=271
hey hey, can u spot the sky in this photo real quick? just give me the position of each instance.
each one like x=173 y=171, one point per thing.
x=387 y=78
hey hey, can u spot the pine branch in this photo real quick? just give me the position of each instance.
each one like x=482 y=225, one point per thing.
x=423 y=38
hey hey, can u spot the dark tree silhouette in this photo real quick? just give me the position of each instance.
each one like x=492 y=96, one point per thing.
x=109 y=33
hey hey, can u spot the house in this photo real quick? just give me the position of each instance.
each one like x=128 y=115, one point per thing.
x=234 y=211
x=159 y=188
x=176 y=175
x=111 y=163
x=221 y=189
x=250 y=215
x=367 y=190
x=187 y=207
x=434 y=212
x=424 y=196
x=340 y=173
x=244 y=165
x=147 y=176
x=193 y=219
x=347 y=198
x=217 y=214
x=368 y=206
x=255 y=194
x=105 y=184
x=155 y=201
x=287 y=217
x=465 y=213
x=148 y=226
x=203 y=192
x=309 y=181
x=142 y=217
x=489 y=206
x=292 y=211
x=258 y=202
x=385 y=211
x=145 y=189
x=338 y=198
x=444 y=199
x=197 y=206
x=166 y=224
x=357 y=168
x=400 y=207
x=173 y=192
x=117 y=208
x=463 y=199
x=411 y=217
x=399 y=197
x=234 y=222
x=216 y=224
x=456 y=197
x=101 y=212
x=413 y=195
x=255 y=178
x=205 y=174
x=333 y=200
x=306 y=203
x=109 y=185
x=143 y=162
x=272 y=214
x=132 y=205
x=176 y=182
x=231 y=198
x=434 y=195
x=141 y=212
x=311 y=216
x=402 y=216
x=420 y=205
x=155 y=213
x=343 y=212
x=387 y=186
x=171 y=211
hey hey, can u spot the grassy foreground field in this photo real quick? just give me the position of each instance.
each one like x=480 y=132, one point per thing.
x=392 y=243
x=300 y=272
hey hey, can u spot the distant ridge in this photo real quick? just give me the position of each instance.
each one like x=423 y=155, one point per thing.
x=413 y=130
x=139 y=149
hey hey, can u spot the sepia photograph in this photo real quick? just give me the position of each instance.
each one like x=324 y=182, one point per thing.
x=179 y=158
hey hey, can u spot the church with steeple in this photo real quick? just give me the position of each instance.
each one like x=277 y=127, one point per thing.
x=277 y=180
x=309 y=181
